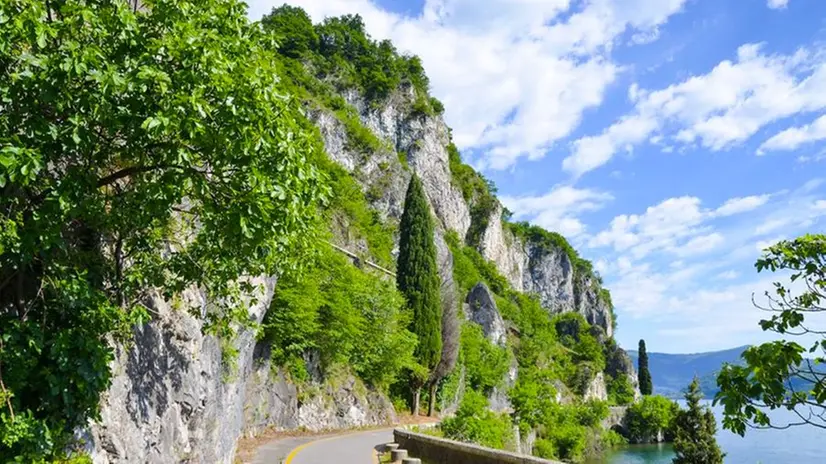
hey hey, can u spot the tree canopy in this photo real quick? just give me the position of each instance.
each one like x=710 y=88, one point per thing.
x=783 y=373
x=132 y=163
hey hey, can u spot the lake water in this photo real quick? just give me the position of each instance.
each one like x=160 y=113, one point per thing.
x=797 y=445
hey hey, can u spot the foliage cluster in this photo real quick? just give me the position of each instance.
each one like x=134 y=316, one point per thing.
x=475 y=423
x=131 y=160
x=650 y=416
x=301 y=83
x=784 y=373
x=348 y=316
x=339 y=50
x=585 y=351
x=478 y=192
x=620 y=390
x=347 y=198
x=568 y=429
x=485 y=362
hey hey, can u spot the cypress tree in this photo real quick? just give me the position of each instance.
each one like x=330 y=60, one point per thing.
x=694 y=430
x=646 y=386
x=417 y=277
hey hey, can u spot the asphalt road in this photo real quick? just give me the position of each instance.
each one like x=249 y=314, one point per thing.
x=347 y=448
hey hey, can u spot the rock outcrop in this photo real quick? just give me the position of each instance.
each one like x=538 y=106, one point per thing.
x=546 y=272
x=596 y=389
x=482 y=310
x=173 y=400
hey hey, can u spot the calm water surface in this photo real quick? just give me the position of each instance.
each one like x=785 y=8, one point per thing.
x=799 y=445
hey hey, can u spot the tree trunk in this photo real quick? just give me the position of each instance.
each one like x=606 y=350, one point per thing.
x=431 y=408
x=416 y=393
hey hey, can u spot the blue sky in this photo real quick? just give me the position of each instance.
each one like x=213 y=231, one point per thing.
x=670 y=140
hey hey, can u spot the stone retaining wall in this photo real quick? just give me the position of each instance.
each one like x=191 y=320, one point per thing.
x=435 y=450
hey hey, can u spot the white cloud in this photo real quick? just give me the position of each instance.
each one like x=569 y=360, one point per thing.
x=794 y=137
x=716 y=110
x=741 y=205
x=772 y=224
x=700 y=244
x=728 y=275
x=557 y=209
x=661 y=227
x=777 y=4
x=538 y=64
x=763 y=244
x=647 y=281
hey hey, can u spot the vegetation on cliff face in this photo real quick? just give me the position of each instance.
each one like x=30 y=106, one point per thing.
x=583 y=270
x=349 y=317
x=551 y=352
x=478 y=192
x=129 y=161
x=187 y=167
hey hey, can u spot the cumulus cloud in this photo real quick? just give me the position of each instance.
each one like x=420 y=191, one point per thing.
x=741 y=205
x=557 y=210
x=654 y=262
x=716 y=110
x=777 y=4
x=660 y=227
x=794 y=137
x=515 y=76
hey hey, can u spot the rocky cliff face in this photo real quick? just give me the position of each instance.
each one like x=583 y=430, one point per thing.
x=549 y=273
x=171 y=400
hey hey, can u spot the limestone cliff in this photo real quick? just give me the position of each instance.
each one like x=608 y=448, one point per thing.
x=171 y=399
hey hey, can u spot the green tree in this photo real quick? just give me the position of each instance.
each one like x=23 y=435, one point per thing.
x=694 y=430
x=294 y=30
x=776 y=374
x=652 y=416
x=132 y=164
x=418 y=279
x=646 y=386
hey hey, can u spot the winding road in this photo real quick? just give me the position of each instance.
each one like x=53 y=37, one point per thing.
x=349 y=448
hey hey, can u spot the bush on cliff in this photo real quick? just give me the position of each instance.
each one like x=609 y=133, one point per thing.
x=348 y=316
x=475 y=423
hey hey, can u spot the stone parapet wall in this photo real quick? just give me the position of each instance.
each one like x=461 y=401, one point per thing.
x=436 y=450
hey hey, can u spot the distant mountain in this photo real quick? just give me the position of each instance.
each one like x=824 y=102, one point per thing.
x=671 y=373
